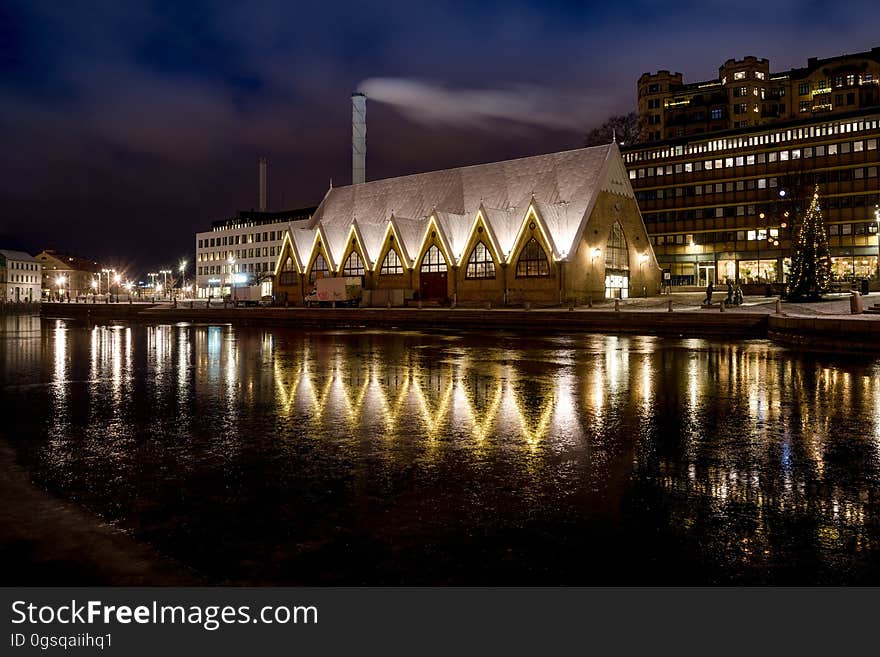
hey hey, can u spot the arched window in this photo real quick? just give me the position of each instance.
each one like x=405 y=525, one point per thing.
x=532 y=261
x=353 y=266
x=616 y=253
x=288 y=273
x=433 y=260
x=616 y=264
x=480 y=263
x=391 y=265
x=319 y=269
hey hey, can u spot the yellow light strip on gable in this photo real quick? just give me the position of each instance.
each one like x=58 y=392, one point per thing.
x=480 y=216
x=328 y=257
x=522 y=228
x=363 y=254
x=286 y=240
x=432 y=220
x=392 y=228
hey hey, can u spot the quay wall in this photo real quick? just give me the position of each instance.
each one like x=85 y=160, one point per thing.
x=838 y=333
x=691 y=324
x=853 y=334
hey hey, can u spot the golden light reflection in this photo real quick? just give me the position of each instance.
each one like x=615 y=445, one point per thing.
x=480 y=399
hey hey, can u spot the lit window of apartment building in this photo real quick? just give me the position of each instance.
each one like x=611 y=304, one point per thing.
x=669 y=108
x=724 y=206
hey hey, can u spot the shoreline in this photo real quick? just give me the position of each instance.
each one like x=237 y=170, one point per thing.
x=832 y=333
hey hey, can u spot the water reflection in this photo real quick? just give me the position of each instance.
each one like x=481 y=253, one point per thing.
x=743 y=454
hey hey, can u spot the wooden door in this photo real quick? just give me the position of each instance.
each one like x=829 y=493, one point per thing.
x=432 y=285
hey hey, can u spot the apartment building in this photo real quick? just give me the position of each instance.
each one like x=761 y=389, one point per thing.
x=724 y=205
x=748 y=94
x=19 y=277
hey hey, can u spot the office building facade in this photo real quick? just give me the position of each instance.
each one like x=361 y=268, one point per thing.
x=242 y=250
x=725 y=205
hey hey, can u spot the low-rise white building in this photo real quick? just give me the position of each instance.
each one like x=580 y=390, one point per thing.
x=242 y=250
x=20 y=277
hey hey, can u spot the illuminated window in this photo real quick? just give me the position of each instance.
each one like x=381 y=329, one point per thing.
x=616 y=264
x=480 y=263
x=319 y=269
x=433 y=261
x=353 y=266
x=739 y=75
x=288 y=273
x=532 y=261
x=391 y=265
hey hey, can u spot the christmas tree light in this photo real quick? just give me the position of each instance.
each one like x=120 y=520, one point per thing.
x=810 y=257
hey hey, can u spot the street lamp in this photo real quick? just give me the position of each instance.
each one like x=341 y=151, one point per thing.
x=165 y=273
x=59 y=281
x=182 y=275
x=231 y=261
x=108 y=272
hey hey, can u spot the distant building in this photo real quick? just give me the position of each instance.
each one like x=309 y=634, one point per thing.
x=19 y=277
x=561 y=227
x=65 y=275
x=242 y=249
x=747 y=94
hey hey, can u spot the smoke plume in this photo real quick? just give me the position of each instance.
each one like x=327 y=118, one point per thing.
x=433 y=104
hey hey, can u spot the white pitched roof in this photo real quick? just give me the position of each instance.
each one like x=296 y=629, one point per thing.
x=562 y=188
x=17 y=255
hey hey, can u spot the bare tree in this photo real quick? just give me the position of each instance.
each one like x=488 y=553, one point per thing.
x=623 y=128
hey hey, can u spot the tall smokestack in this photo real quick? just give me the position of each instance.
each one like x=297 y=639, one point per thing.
x=264 y=165
x=358 y=138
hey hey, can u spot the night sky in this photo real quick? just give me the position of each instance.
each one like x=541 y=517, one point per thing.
x=126 y=127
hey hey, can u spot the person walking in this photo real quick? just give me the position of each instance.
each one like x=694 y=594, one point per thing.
x=709 y=290
x=729 y=299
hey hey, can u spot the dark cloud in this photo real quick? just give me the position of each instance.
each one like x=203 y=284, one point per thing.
x=126 y=128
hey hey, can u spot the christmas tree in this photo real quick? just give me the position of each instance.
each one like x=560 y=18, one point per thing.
x=810 y=257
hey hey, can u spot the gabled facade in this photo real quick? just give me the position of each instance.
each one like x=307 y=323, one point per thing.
x=65 y=275
x=549 y=229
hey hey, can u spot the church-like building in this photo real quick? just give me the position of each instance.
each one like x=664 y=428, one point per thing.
x=550 y=229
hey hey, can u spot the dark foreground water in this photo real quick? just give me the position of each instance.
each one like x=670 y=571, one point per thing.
x=274 y=456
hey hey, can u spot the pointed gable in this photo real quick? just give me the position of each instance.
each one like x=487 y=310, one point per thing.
x=562 y=188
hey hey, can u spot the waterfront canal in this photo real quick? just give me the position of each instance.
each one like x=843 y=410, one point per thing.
x=257 y=456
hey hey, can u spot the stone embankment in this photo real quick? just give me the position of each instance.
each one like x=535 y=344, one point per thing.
x=831 y=332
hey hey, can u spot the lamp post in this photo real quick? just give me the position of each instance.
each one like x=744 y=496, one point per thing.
x=182 y=269
x=108 y=272
x=165 y=273
x=231 y=261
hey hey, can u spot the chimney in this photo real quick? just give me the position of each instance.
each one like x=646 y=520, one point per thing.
x=264 y=165
x=358 y=138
